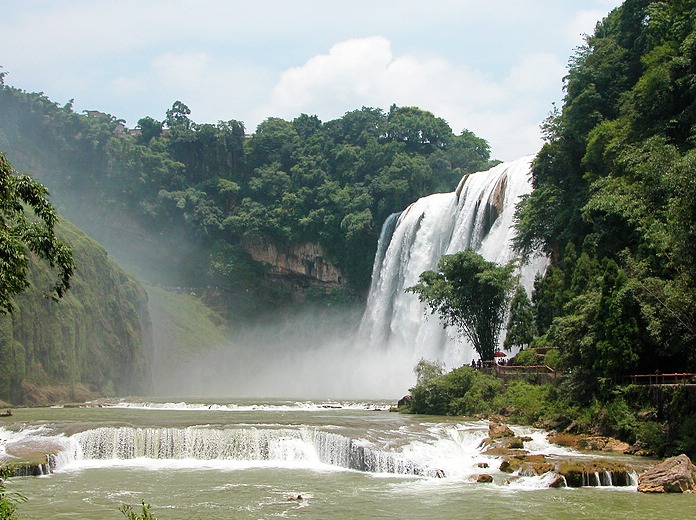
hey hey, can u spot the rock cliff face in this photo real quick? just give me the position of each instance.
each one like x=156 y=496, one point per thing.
x=305 y=264
x=95 y=340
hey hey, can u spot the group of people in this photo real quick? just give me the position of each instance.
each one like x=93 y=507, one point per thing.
x=478 y=365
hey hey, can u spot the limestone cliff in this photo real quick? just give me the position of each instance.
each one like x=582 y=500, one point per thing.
x=306 y=264
x=95 y=340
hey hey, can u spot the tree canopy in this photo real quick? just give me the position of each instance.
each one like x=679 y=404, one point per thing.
x=614 y=200
x=289 y=182
x=471 y=294
x=27 y=222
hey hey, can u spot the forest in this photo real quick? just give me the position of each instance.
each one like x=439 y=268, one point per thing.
x=217 y=187
x=613 y=206
x=614 y=200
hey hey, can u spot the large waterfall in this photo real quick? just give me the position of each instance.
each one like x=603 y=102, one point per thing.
x=478 y=216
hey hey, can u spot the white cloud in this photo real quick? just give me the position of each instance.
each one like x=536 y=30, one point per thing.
x=534 y=73
x=126 y=87
x=365 y=72
x=470 y=63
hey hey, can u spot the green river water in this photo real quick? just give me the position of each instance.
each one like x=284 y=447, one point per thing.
x=200 y=459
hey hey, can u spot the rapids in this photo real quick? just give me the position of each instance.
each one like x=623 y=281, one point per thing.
x=254 y=458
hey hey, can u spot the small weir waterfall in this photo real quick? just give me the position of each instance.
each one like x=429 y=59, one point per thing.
x=478 y=216
x=304 y=447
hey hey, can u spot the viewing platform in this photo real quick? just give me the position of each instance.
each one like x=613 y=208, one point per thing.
x=539 y=373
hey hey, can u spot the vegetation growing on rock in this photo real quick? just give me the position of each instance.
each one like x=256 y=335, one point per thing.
x=95 y=340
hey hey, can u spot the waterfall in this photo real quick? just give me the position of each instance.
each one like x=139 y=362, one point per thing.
x=277 y=446
x=478 y=215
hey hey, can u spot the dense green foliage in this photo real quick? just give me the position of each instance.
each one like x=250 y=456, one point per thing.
x=613 y=206
x=521 y=329
x=94 y=340
x=614 y=202
x=471 y=294
x=27 y=222
x=218 y=189
x=462 y=391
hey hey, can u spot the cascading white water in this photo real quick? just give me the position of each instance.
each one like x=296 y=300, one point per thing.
x=479 y=216
x=303 y=446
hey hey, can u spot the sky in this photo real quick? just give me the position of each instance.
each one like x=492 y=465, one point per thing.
x=494 y=67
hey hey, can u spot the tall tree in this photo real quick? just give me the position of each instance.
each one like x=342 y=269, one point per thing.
x=470 y=293
x=521 y=328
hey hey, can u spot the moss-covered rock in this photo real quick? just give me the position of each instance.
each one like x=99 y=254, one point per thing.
x=526 y=465
x=597 y=472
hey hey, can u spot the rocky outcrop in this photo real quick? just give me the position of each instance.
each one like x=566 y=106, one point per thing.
x=569 y=473
x=304 y=261
x=589 y=443
x=526 y=465
x=674 y=475
x=499 y=431
x=483 y=478
x=600 y=443
x=502 y=441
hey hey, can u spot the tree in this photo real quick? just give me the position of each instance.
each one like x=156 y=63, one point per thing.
x=471 y=294
x=149 y=129
x=428 y=370
x=177 y=116
x=520 y=327
x=27 y=222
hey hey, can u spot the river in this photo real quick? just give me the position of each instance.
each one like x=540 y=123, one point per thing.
x=222 y=459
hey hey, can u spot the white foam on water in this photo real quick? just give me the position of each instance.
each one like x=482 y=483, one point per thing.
x=307 y=406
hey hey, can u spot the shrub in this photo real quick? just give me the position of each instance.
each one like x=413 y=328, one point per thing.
x=527 y=400
x=463 y=391
x=145 y=514
x=527 y=358
x=616 y=419
x=483 y=396
x=553 y=359
x=652 y=436
x=8 y=500
x=686 y=441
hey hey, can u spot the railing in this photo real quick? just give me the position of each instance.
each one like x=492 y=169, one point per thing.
x=535 y=370
x=542 y=372
x=661 y=379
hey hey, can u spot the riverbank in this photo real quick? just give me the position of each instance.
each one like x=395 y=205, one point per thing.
x=655 y=421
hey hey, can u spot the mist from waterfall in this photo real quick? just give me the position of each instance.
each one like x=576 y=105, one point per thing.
x=479 y=216
x=368 y=353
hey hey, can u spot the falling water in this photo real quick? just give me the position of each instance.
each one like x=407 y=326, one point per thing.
x=479 y=216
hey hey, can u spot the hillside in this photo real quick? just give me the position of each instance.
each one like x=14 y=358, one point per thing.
x=614 y=201
x=215 y=207
x=96 y=340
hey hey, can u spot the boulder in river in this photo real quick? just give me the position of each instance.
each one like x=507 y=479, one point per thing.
x=674 y=475
x=499 y=431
